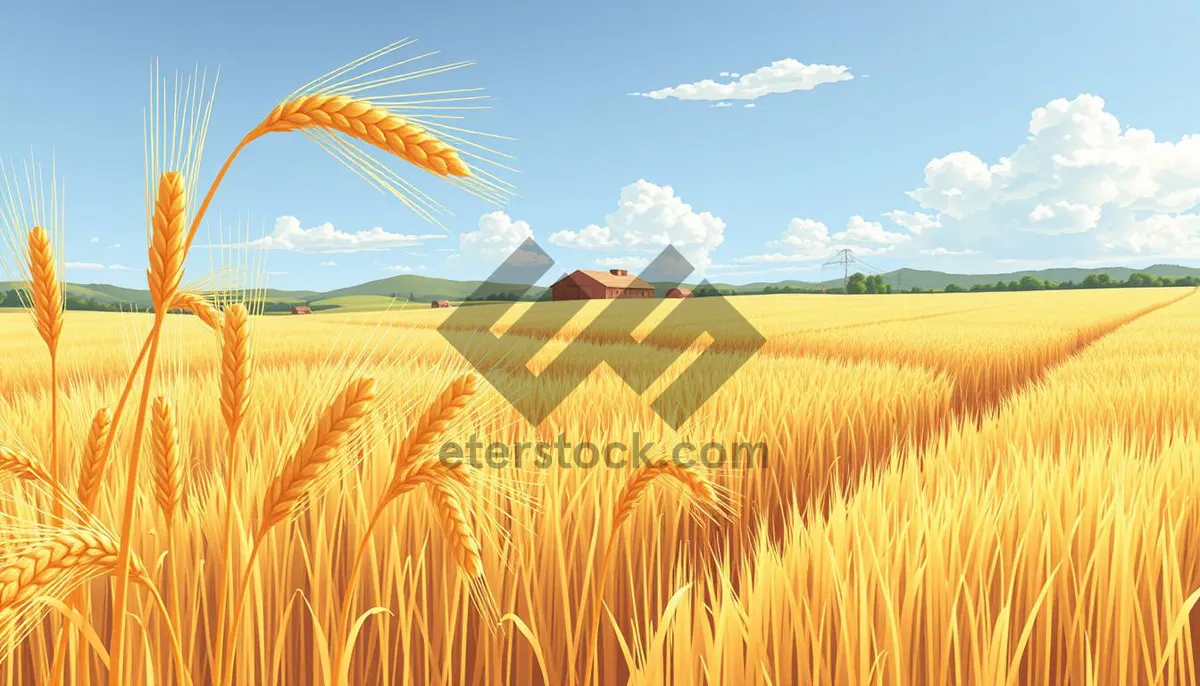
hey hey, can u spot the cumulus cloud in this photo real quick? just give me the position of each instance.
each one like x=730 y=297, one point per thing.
x=329 y=263
x=96 y=266
x=916 y=222
x=1079 y=173
x=94 y=239
x=781 y=76
x=325 y=238
x=808 y=239
x=648 y=218
x=749 y=105
x=722 y=104
x=497 y=237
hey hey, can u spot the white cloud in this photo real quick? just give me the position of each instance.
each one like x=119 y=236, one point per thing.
x=115 y=245
x=916 y=222
x=94 y=239
x=749 y=105
x=946 y=252
x=781 y=76
x=95 y=266
x=1079 y=173
x=648 y=218
x=499 y=235
x=808 y=239
x=723 y=104
x=288 y=235
x=626 y=262
x=329 y=263
x=405 y=269
x=860 y=230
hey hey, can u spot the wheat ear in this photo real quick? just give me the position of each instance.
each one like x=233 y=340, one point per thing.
x=319 y=451
x=167 y=241
x=92 y=462
x=46 y=291
x=235 y=367
x=373 y=125
x=197 y=305
x=167 y=467
x=429 y=427
x=16 y=463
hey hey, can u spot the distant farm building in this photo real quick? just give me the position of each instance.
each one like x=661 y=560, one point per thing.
x=301 y=309
x=583 y=284
x=679 y=293
x=439 y=303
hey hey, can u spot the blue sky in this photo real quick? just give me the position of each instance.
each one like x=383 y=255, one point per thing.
x=1026 y=134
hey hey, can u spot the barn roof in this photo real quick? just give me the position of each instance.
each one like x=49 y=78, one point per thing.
x=607 y=279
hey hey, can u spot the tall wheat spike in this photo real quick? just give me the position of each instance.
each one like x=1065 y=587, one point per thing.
x=167 y=241
x=457 y=529
x=197 y=305
x=167 y=466
x=373 y=125
x=92 y=465
x=46 y=291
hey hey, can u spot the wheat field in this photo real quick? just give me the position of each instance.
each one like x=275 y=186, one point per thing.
x=913 y=524
x=945 y=488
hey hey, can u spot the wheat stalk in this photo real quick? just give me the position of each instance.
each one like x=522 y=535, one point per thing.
x=46 y=291
x=319 y=452
x=92 y=465
x=197 y=305
x=167 y=241
x=373 y=125
x=701 y=490
x=167 y=466
x=453 y=516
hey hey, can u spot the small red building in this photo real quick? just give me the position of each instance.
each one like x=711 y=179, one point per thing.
x=679 y=293
x=301 y=309
x=583 y=284
x=439 y=303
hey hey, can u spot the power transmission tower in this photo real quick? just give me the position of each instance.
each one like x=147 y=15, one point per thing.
x=844 y=257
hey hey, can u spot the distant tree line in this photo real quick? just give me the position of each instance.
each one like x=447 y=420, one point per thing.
x=71 y=302
x=1029 y=283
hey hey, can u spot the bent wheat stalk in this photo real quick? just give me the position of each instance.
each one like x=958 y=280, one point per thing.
x=318 y=455
x=197 y=305
x=411 y=470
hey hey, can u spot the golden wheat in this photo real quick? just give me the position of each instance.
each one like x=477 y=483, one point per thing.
x=373 y=125
x=167 y=466
x=45 y=289
x=167 y=250
x=431 y=425
x=91 y=470
x=20 y=464
x=236 y=371
x=197 y=305
x=321 y=447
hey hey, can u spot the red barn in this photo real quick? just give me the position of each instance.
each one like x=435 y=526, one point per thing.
x=301 y=309
x=439 y=303
x=679 y=293
x=583 y=284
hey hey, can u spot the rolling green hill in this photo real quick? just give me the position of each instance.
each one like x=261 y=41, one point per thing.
x=376 y=295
